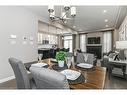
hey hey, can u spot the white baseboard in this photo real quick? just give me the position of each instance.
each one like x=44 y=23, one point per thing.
x=7 y=79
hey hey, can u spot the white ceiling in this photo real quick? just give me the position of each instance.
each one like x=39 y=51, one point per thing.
x=89 y=18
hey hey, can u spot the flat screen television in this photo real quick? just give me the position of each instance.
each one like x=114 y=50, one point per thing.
x=93 y=40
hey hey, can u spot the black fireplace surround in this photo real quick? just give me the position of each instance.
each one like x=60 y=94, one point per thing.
x=96 y=50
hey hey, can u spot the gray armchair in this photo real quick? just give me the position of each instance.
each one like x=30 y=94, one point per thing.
x=22 y=79
x=49 y=79
x=90 y=58
x=80 y=58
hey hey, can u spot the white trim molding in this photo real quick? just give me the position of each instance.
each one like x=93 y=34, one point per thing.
x=7 y=79
x=10 y=78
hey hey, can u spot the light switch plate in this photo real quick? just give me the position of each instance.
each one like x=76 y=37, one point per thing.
x=13 y=36
x=31 y=38
x=24 y=38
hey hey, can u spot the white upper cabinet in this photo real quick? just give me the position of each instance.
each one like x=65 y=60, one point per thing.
x=47 y=34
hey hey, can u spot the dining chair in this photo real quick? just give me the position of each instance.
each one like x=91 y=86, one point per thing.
x=22 y=78
x=81 y=59
x=69 y=54
x=49 y=79
x=70 y=59
x=51 y=53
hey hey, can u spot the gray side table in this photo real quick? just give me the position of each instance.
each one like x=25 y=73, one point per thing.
x=117 y=64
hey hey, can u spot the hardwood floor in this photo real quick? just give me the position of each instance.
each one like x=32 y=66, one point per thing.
x=92 y=80
x=8 y=85
x=115 y=83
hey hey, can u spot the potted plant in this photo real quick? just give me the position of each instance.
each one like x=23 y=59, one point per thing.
x=60 y=57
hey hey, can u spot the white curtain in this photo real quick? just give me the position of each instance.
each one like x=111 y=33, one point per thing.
x=83 y=42
x=107 y=41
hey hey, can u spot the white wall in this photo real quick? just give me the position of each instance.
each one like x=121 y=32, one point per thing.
x=20 y=22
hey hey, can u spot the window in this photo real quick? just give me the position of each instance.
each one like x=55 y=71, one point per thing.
x=107 y=38
x=83 y=42
x=68 y=42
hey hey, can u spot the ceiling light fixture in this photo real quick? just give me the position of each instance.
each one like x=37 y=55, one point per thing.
x=106 y=25
x=104 y=11
x=66 y=7
x=74 y=26
x=106 y=20
x=64 y=13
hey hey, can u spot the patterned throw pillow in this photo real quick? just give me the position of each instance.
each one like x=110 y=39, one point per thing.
x=113 y=55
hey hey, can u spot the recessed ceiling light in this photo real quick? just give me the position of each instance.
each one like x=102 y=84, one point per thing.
x=104 y=11
x=106 y=20
x=106 y=25
x=74 y=26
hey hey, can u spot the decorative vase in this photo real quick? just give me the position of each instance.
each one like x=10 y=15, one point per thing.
x=61 y=63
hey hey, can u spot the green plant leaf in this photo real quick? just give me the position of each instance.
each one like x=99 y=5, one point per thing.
x=61 y=55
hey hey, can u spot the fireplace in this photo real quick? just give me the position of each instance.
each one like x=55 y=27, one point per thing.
x=96 y=50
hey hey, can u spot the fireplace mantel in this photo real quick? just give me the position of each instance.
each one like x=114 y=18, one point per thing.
x=94 y=45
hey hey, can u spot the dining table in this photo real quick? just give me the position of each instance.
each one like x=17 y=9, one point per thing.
x=94 y=77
